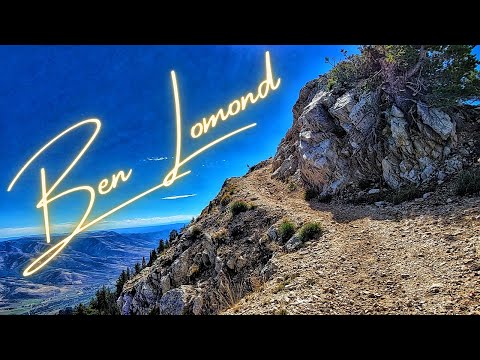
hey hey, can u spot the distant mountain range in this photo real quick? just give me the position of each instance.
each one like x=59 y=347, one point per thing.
x=88 y=262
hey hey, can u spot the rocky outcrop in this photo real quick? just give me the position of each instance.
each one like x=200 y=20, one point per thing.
x=342 y=138
x=198 y=272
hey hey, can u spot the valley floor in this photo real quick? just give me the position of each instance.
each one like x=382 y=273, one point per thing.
x=419 y=257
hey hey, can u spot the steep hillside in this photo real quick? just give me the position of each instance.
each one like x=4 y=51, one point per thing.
x=358 y=212
x=422 y=256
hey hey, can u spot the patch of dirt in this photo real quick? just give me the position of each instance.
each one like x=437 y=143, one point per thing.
x=418 y=257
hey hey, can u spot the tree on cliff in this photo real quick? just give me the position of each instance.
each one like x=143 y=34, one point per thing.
x=122 y=279
x=104 y=302
x=441 y=75
x=80 y=309
x=153 y=257
x=161 y=246
x=173 y=235
x=138 y=268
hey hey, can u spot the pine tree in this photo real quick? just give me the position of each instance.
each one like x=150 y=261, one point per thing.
x=138 y=268
x=173 y=235
x=104 y=302
x=79 y=310
x=144 y=263
x=153 y=257
x=161 y=246
x=122 y=279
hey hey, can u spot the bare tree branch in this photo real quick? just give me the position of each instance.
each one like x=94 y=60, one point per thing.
x=419 y=64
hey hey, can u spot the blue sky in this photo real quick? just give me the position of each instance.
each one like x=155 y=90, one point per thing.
x=46 y=89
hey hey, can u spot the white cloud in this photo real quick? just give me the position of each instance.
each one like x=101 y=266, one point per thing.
x=161 y=158
x=104 y=225
x=135 y=222
x=35 y=230
x=178 y=197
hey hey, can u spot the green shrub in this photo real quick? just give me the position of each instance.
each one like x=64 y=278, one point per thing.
x=405 y=193
x=196 y=231
x=286 y=230
x=238 y=206
x=331 y=83
x=468 y=182
x=310 y=230
x=310 y=194
x=225 y=200
x=442 y=75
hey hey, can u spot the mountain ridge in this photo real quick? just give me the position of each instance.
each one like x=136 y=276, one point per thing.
x=93 y=259
x=364 y=208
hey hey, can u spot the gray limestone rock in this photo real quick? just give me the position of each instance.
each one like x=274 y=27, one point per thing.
x=177 y=301
x=294 y=243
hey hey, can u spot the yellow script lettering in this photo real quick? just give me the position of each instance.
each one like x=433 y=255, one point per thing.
x=115 y=177
x=104 y=188
x=265 y=86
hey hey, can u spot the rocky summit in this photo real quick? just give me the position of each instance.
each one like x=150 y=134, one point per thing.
x=360 y=211
x=341 y=138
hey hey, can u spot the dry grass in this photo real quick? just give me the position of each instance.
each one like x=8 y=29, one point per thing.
x=225 y=200
x=228 y=293
x=220 y=236
x=256 y=283
x=281 y=311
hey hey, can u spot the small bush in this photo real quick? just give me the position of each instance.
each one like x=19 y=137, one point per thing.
x=238 y=206
x=292 y=186
x=220 y=236
x=468 y=182
x=281 y=311
x=286 y=230
x=279 y=287
x=310 y=231
x=225 y=200
x=406 y=193
x=331 y=83
x=310 y=194
x=196 y=231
